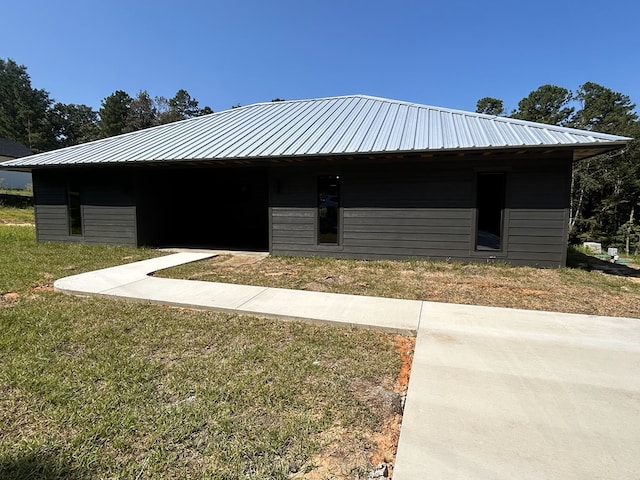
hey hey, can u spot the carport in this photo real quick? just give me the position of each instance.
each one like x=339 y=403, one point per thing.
x=204 y=207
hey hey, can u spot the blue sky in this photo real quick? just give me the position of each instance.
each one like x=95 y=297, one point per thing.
x=224 y=52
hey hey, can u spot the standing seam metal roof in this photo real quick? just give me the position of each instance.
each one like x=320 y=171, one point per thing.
x=353 y=124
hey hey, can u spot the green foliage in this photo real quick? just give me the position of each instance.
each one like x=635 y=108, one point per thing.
x=604 y=110
x=24 y=109
x=121 y=114
x=143 y=112
x=114 y=113
x=74 y=124
x=606 y=188
x=547 y=104
x=490 y=106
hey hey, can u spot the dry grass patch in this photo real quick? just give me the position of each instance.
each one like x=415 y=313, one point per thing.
x=574 y=290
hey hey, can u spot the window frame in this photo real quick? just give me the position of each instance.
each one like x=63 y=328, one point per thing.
x=75 y=225
x=322 y=245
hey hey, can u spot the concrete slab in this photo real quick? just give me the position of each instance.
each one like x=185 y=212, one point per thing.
x=501 y=393
x=188 y=293
x=99 y=281
x=352 y=310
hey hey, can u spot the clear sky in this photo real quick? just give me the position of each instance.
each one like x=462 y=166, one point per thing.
x=446 y=53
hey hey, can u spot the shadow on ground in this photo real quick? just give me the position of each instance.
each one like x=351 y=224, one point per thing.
x=587 y=262
x=16 y=201
x=36 y=465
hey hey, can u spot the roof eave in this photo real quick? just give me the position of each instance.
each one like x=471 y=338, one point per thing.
x=579 y=153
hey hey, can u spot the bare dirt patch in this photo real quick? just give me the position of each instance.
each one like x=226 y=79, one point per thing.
x=9 y=299
x=345 y=452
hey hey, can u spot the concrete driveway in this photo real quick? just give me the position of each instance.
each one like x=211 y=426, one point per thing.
x=513 y=394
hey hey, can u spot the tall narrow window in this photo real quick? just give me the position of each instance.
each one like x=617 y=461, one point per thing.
x=74 y=210
x=490 y=194
x=328 y=205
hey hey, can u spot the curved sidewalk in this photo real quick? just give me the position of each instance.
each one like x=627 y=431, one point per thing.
x=494 y=393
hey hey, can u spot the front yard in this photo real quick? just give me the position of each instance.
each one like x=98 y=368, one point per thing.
x=95 y=388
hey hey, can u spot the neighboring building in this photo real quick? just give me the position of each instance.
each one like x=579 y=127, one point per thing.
x=10 y=149
x=352 y=176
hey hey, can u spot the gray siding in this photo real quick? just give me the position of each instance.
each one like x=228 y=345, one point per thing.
x=108 y=211
x=425 y=210
x=537 y=231
x=392 y=208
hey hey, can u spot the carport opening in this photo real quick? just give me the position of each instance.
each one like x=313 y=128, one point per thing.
x=216 y=208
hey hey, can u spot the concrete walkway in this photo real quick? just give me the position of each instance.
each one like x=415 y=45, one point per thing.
x=494 y=393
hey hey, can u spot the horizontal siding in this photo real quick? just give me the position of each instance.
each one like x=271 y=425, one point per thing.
x=51 y=223
x=537 y=235
x=110 y=224
x=292 y=230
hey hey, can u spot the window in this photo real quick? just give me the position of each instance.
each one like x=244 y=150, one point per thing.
x=490 y=194
x=328 y=205
x=74 y=209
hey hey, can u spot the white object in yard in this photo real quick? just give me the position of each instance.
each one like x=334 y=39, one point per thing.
x=594 y=247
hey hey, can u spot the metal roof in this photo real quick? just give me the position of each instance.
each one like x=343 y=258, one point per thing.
x=347 y=125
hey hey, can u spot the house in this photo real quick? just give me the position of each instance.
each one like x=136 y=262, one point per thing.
x=352 y=176
x=10 y=149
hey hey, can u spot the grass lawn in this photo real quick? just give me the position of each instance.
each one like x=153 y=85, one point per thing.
x=96 y=388
x=13 y=215
x=595 y=288
x=16 y=206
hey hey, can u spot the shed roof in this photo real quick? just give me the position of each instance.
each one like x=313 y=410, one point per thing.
x=347 y=125
x=13 y=149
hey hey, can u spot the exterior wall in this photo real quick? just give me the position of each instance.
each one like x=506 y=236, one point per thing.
x=107 y=205
x=425 y=210
x=392 y=208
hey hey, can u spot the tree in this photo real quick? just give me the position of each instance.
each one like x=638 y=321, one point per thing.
x=74 y=124
x=23 y=109
x=548 y=104
x=206 y=110
x=604 y=110
x=606 y=188
x=114 y=114
x=180 y=107
x=490 y=106
x=143 y=112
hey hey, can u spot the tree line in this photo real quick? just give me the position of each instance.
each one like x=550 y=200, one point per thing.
x=30 y=116
x=605 y=190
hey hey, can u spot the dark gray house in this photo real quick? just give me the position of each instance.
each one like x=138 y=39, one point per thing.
x=352 y=176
